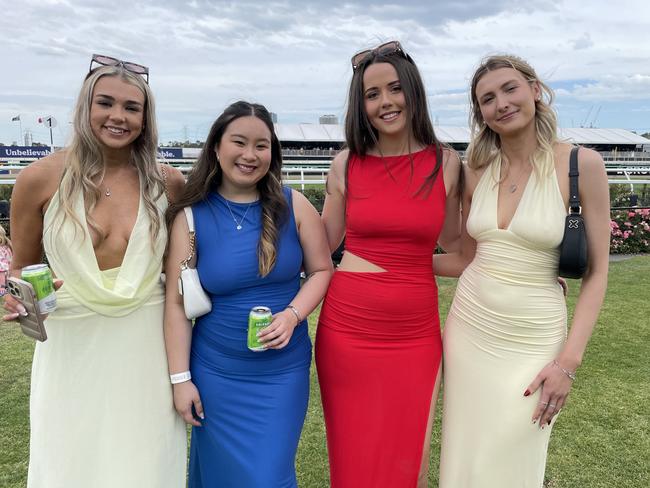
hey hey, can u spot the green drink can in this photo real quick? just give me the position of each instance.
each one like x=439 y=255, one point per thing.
x=258 y=319
x=40 y=277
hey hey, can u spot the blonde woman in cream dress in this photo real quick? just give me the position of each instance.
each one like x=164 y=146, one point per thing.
x=101 y=410
x=508 y=361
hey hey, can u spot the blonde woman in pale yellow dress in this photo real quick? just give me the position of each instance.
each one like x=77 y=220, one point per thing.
x=508 y=362
x=101 y=410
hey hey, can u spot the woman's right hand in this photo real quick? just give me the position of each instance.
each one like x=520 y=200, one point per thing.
x=15 y=308
x=186 y=396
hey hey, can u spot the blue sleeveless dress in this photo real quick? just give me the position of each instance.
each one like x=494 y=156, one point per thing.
x=254 y=402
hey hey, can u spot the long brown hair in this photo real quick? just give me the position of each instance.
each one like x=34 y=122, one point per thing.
x=206 y=177
x=361 y=136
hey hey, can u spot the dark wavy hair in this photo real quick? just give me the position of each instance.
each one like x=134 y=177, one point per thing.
x=361 y=136
x=206 y=177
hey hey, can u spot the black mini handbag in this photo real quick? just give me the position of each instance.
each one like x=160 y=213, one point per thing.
x=573 y=250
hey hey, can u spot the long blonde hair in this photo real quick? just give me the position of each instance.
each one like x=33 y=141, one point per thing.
x=84 y=159
x=485 y=146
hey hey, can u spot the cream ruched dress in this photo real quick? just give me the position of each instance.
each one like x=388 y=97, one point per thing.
x=507 y=321
x=102 y=414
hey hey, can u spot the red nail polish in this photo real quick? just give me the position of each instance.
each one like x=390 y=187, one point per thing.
x=527 y=392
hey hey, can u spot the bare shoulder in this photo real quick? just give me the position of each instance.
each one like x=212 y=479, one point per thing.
x=41 y=178
x=471 y=177
x=450 y=158
x=300 y=202
x=49 y=167
x=336 y=176
x=451 y=170
x=590 y=162
x=175 y=180
x=337 y=167
x=593 y=174
x=590 y=159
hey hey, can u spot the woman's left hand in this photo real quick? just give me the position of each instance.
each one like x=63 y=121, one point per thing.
x=555 y=385
x=278 y=334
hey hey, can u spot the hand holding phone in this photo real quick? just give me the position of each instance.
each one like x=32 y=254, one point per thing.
x=31 y=324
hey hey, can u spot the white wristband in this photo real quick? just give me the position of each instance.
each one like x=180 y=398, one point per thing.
x=180 y=377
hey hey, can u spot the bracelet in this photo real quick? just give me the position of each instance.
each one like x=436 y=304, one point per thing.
x=570 y=374
x=180 y=377
x=295 y=312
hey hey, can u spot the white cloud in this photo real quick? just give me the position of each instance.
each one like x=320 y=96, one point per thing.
x=612 y=88
x=294 y=56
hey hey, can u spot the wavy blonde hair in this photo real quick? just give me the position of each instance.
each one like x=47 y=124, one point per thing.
x=84 y=159
x=485 y=146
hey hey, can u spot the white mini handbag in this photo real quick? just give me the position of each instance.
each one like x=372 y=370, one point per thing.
x=196 y=301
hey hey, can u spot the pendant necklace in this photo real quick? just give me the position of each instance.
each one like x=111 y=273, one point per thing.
x=514 y=186
x=238 y=224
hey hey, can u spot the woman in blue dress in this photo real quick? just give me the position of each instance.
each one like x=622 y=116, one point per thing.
x=253 y=237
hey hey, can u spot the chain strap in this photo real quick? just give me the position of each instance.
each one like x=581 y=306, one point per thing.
x=164 y=176
x=185 y=263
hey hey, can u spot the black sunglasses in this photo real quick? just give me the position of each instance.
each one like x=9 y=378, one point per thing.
x=385 y=49
x=138 y=69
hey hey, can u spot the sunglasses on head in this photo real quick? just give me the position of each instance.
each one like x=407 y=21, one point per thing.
x=138 y=69
x=387 y=48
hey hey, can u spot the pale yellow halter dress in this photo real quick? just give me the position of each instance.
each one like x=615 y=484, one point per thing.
x=102 y=413
x=507 y=321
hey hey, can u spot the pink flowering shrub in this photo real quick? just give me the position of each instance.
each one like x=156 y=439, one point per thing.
x=630 y=231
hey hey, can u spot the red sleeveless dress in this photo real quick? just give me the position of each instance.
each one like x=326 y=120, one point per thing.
x=378 y=344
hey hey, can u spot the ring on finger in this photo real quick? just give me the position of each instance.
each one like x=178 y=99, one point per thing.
x=551 y=406
x=543 y=403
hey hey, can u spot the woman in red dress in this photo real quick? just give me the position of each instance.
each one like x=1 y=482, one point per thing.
x=378 y=344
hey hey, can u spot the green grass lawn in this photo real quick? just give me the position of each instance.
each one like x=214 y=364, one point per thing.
x=601 y=440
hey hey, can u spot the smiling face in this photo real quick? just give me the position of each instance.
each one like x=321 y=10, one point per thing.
x=116 y=112
x=507 y=101
x=244 y=154
x=384 y=100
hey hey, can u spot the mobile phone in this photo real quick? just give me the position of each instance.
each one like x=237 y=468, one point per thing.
x=32 y=324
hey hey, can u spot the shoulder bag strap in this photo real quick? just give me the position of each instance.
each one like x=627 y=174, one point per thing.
x=574 y=196
x=190 y=224
x=163 y=170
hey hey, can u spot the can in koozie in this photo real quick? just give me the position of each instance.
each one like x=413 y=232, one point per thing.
x=40 y=277
x=259 y=318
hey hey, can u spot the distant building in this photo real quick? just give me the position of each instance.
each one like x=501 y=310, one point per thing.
x=328 y=119
x=274 y=117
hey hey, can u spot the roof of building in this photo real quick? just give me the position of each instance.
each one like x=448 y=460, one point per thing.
x=602 y=136
x=310 y=132
x=460 y=135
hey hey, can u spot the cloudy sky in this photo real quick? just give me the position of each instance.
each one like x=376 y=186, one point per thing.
x=293 y=56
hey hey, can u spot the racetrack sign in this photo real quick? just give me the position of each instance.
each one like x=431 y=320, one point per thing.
x=49 y=121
